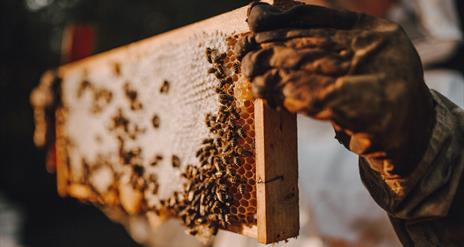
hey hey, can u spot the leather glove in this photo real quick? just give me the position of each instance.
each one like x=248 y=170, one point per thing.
x=359 y=72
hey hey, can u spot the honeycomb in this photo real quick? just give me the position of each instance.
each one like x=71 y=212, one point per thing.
x=122 y=148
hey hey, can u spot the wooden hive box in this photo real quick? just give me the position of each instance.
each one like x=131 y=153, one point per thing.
x=167 y=127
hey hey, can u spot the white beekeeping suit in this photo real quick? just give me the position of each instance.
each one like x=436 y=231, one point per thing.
x=333 y=202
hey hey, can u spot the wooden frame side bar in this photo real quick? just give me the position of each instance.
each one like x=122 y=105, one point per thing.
x=276 y=174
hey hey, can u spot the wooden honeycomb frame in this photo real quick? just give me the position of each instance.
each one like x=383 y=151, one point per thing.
x=275 y=142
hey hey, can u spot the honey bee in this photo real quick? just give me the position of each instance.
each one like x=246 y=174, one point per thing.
x=138 y=170
x=237 y=161
x=192 y=232
x=164 y=89
x=219 y=90
x=233 y=179
x=228 y=170
x=216 y=129
x=241 y=133
x=228 y=148
x=218 y=142
x=172 y=202
x=208 y=55
x=226 y=97
x=191 y=195
x=244 y=152
x=234 y=141
x=175 y=161
x=212 y=70
x=218 y=167
x=219 y=74
x=227 y=219
x=219 y=58
x=156 y=121
x=208 y=119
x=201 y=220
x=224 y=108
x=187 y=186
x=236 y=67
x=220 y=196
x=235 y=114
x=199 y=152
x=207 y=141
x=210 y=159
x=225 y=159
x=214 y=230
x=242 y=188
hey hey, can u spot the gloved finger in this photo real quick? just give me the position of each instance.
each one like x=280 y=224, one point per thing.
x=245 y=44
x=316 y=37
x=295 y=90
x=355 y=102
x=269 y=87
x=325 y=39
x=330 y=65
x=300 y=91
x=311 y=60
x=265 y=17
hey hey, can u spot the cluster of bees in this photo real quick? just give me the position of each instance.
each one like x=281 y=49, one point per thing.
x=123 y=129
x=132 y=96
x=220 y=191
x=101 y=97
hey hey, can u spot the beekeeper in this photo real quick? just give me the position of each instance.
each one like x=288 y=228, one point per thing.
x=364 y=76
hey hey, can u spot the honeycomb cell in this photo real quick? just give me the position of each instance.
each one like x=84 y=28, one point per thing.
x=253 y=201
x=250 y=218
x=250 y=160
x=247 y=196
x=251 y=134
x=249 y=174
x=244 y=203
x=250 y=121
x=241 y=210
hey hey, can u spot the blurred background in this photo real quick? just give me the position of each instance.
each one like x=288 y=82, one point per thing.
x=37 y=35
x=30 y=43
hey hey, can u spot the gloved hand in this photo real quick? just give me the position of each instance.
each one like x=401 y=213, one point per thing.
x=360 y=72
